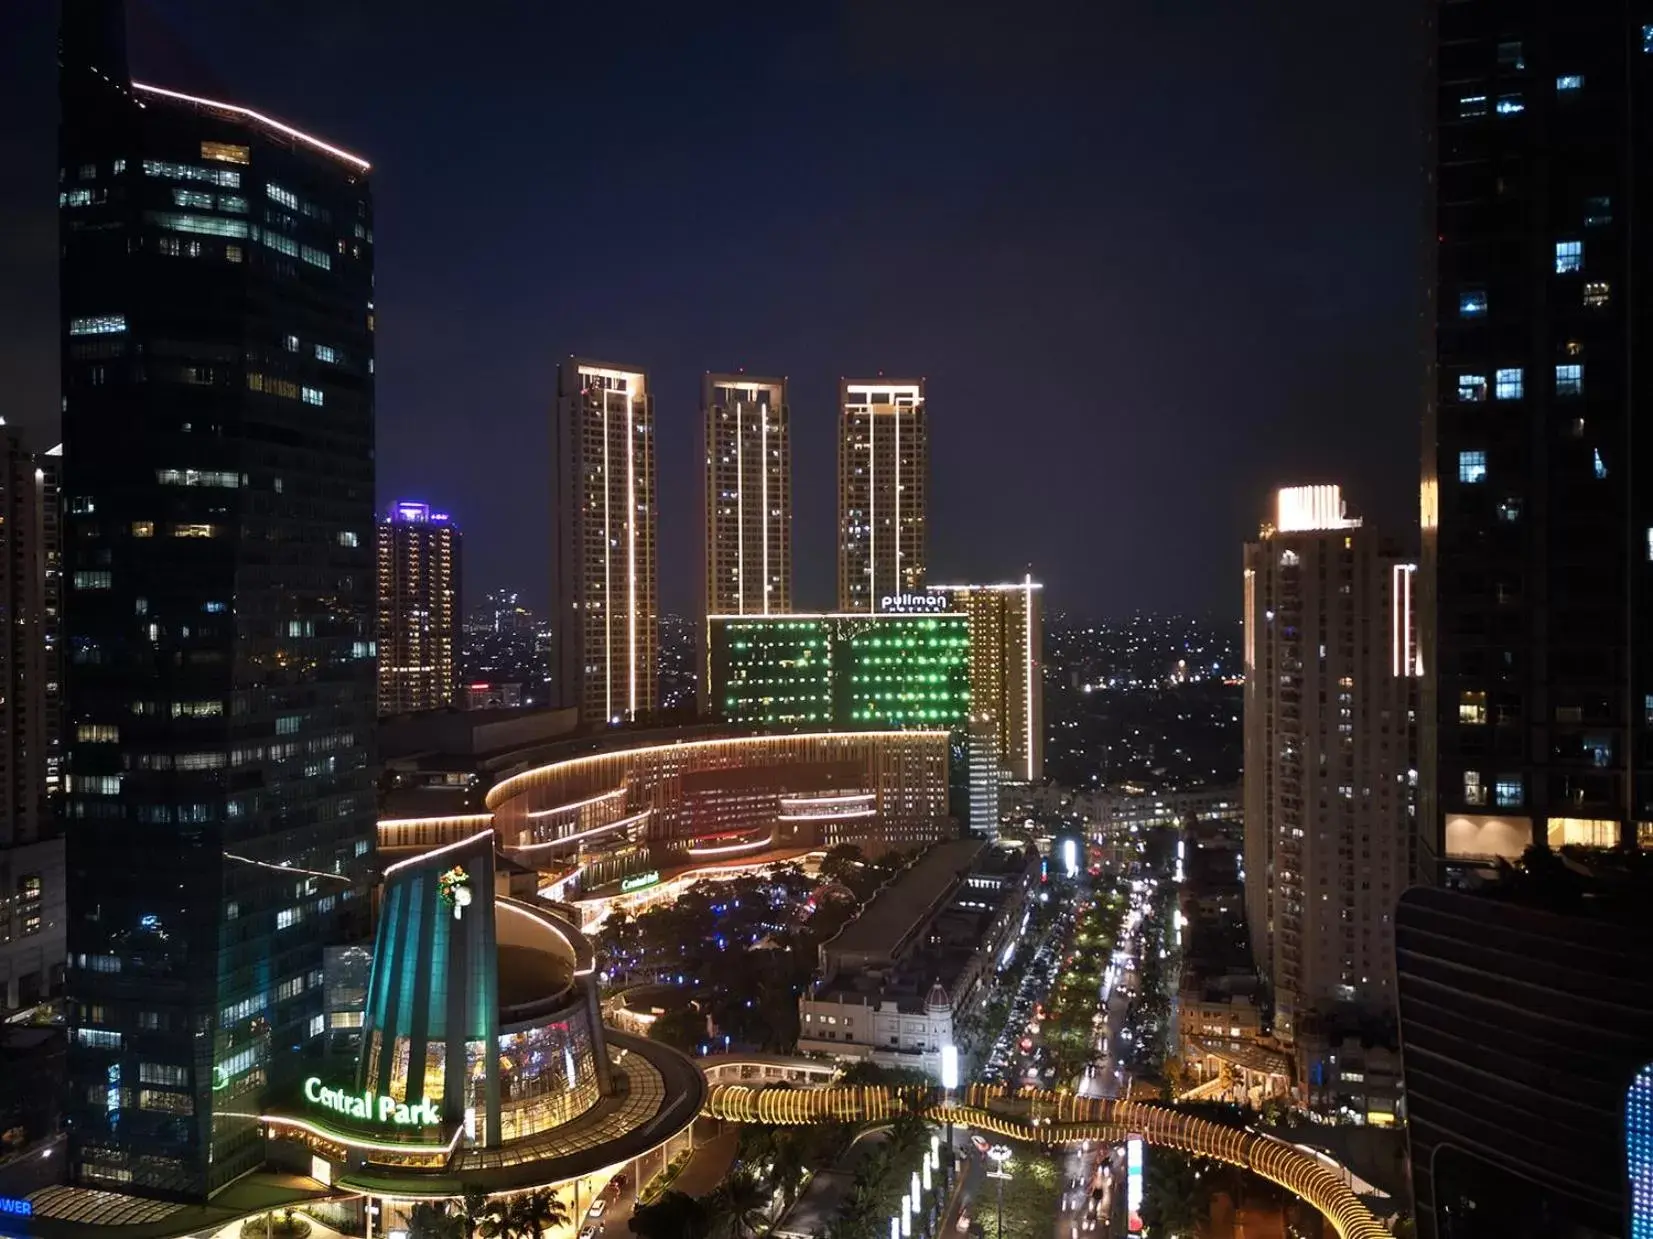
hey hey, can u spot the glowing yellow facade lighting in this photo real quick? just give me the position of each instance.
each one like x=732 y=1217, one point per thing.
x=1305 y=509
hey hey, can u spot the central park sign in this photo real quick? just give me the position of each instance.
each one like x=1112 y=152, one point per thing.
x=373 y=1108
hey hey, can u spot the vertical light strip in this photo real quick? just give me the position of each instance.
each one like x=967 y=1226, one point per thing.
x=763 y=491
x=872 y=505
x=900 y=582
x=608 y=565
x=740 y=513
x=1394 y=620
x=631 y=554
x=1027 y=637
x=1250 y=619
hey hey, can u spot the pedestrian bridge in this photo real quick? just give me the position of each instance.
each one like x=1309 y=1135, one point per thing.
x=1058 y=1118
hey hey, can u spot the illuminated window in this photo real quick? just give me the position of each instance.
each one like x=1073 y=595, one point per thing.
x=1597 y=464
x=273 y=386
x=1596 y=293
x=225 y=152
x=1509 y=105
x=1598 y=211
x=186 y=172
x=1569 y=81
x=97 y=325
x=1569 y=256
x=97 y=733
x=290 y=343
x=1475 y=793
x=1569 y=380
x=276 y=241
x=1472 y=303
x=93 y=580
x=195 y=531
x=313 y=395
x=1472 y=706
x=286 y=197
x=316 y=258
x=232 y=253
x=143 y=529
x=1591 y=832
x=326 y=353
x=197 y=477
x=1647 y=40
x=1507 y=791
x=1472 y=105
x=1507 y=384
x=203 y=225
x=349 y=537
x=1472 y=388
x=1472 y=467
x=1509 y=510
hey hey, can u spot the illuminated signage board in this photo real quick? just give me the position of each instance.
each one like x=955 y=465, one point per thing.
x=639 y=881
x=16 y=1206
x=370 y=1107
x=912 y=604
x=1133 y=1183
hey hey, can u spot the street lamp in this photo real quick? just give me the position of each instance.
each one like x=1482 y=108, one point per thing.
x=999 y=1155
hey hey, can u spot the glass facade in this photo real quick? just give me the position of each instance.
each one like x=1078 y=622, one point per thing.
x=218 y=513
x=849 y=671
x=1536 y=507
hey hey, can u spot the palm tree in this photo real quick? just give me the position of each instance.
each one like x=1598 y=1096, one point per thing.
x=480 y=1215
x=534 y=1213
x=741 y=1205
x=786 y=1171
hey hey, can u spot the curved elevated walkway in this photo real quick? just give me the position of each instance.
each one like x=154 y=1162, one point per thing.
x=1055 y=1118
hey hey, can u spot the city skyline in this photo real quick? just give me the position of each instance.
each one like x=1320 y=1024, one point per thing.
x=1012 y=307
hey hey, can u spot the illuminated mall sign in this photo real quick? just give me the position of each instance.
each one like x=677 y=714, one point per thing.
x=638 y=881
x=370 y=1107
x=912 y=604
x=1133 y=1183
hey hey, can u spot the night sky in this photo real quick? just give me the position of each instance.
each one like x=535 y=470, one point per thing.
x=1154 y=259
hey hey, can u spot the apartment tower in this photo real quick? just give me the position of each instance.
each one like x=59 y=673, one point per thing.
x=606 y=573
x=748 y=495
x=418 y=552
x=217 y=377
x=1331 y=669
x=1537 y=533
x=31 y=846
x=1006 y=679
x=883 y=473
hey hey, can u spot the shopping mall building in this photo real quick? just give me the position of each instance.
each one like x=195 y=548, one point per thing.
x=481 y=1061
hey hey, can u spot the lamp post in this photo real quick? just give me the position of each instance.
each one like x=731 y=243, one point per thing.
x=999 y=1155
x=949 y=1082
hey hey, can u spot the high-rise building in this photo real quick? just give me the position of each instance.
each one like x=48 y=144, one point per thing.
x=883 y=475
x=748 y=495
x=31 y=846
x=1537 y=531
x=1330 y=675
x=607 y=604
x=418 y=609
x=1006 y=680
x=217 y=374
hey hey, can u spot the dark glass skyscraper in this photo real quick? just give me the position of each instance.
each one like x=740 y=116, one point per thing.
x=1537 y=517
x=217 y=318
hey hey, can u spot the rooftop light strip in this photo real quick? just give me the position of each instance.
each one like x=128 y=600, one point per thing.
x=441 y=851
x=335 y=151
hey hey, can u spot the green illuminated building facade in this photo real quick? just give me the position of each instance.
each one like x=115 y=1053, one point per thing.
x=843 y=671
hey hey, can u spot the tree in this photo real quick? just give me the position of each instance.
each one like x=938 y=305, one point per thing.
x=480 y=1214
x=790 y=1164
x=431 y=1220
x=534 y=1213
x=841 y=861
x=673 y=1216
x=740 y=1205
